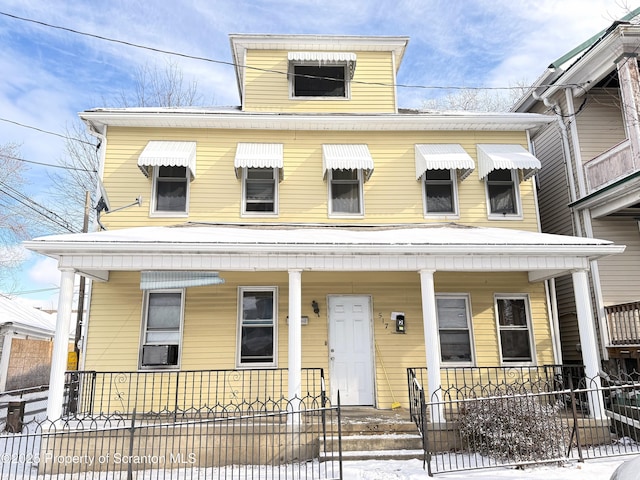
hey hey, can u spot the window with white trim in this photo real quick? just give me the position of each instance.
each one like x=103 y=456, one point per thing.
x=257 y=330
x=260 y=190
x=345 y=192
x=502 y=193
x=314 y=80
x=514 y=328
x=162 y=329
x=454 y=327
x=171 y=189
x=440 y=192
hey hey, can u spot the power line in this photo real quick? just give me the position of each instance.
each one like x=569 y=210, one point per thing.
x=36 y=207
x=48 y=164
x=27 y=292
x=266 y=70
x=47 y=132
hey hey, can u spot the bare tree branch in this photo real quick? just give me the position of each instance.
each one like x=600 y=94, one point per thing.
x=69 y=188
x=160 y=87
x=474 y=100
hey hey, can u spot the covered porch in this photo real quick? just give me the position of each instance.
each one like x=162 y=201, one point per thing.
x=289 y=251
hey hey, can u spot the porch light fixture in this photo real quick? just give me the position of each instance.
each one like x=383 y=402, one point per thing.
x=316 y=308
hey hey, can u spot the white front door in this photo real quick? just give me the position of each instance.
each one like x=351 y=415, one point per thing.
x=350 y=350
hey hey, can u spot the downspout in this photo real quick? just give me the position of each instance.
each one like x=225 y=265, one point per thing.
x=573 y=194
x=552 y=301
x=566 y=150
x=549 y=285
x=586 y=218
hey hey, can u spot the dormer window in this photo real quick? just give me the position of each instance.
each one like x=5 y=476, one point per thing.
x=321 y=74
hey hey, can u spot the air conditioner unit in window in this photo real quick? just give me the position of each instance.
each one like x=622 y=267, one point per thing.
x=153 y=355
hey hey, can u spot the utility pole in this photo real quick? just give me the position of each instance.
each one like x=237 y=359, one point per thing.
x=85 y=229
x=74 y=386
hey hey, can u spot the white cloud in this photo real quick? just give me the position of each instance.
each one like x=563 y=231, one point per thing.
x=44 y=273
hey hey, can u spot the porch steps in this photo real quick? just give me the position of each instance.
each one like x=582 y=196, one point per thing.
x=370 y=434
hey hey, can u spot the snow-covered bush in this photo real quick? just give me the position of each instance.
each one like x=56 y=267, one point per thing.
x=513 y=428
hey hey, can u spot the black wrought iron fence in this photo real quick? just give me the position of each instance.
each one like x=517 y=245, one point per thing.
x=528 y=419
x=465 y=382
x=92 y=393
x=262 y=440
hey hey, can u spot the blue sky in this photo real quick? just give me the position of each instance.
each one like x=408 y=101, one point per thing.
x=49 y=75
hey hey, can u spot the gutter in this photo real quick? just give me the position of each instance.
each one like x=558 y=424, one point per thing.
x=163 y=118
x=143 y=249
x=584 y=201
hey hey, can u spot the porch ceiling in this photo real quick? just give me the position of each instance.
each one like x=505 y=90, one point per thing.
x=439 y=247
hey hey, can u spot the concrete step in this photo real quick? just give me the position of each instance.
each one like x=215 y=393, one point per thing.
x=370 y=434
x=353 y=443
x=370 y=428
x=374 y=455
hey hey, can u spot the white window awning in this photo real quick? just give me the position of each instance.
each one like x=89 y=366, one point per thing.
x=168 y=154
x=321 y=58
x=506 y=157
x=347 y=157
x=443 y=156
x=157 y=280
x=259 y=155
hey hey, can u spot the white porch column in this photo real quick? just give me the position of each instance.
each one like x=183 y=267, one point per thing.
x=432 y=344
x=60 y=345
x=627 y=65
x=295 y=334
x=588 y=341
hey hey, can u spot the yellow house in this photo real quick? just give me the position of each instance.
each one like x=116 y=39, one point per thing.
x=318 y=226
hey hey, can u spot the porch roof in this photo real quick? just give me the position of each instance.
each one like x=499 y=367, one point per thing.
x=253 y=247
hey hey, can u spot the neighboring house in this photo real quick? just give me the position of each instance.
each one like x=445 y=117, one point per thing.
x=26 y=343
x=319 y=225
x=589 y=184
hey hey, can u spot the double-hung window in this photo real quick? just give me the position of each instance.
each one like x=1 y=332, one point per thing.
x=454 y=328
x=257 y=326
x=502 y=192
x=162 y=329
x=171 y=188
x=440 y=192
x=260 y=190
x=171 y=166
x=514 y=327
x=345 y=187
x=503 y=167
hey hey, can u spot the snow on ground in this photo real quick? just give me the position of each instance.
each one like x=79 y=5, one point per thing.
x=599 y=469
